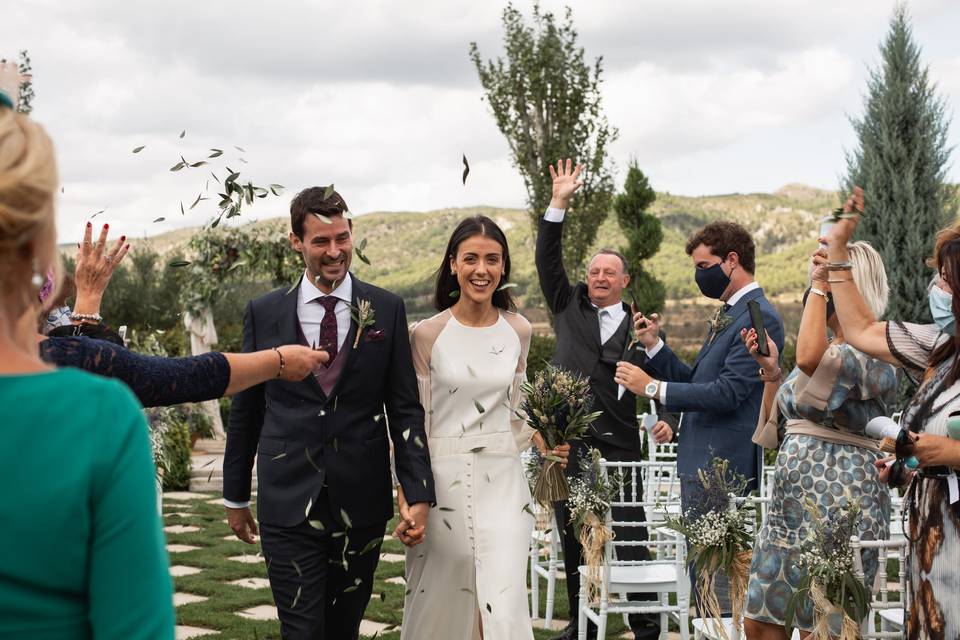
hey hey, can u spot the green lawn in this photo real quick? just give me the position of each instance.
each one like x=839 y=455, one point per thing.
x=218 y=612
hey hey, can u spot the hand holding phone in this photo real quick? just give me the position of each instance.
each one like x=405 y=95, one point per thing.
x=635 y=309
x=756 y=320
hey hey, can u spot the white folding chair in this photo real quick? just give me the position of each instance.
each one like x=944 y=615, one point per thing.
x=755 y=506
x=884 y=610
x=545 y=558
x=664 y=574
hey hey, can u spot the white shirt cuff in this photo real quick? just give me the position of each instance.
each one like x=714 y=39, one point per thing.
x=655 y=349
x=554 y=215
x=236 y=505
x=663 y=392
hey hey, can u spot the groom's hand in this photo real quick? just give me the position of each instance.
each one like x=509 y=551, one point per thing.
x=412 y=528
x=242 y=523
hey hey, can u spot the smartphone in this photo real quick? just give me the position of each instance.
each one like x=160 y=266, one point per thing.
x=756 y=319
x=826 y=223
x=635 y=309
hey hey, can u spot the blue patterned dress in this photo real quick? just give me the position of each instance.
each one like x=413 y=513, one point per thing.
x=809 y=468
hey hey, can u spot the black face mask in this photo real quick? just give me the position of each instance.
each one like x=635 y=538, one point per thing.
x=831 y=309
x=712 y=281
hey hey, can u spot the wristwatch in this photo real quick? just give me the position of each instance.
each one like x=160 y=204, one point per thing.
x=651 y=389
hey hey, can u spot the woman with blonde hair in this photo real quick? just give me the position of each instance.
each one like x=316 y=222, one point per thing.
x=84 y=552
x=817 y=418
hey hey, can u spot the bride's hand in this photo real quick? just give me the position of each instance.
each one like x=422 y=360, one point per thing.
x=406 y=530
x=561 y=451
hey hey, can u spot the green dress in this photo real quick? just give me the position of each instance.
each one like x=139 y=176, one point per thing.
x=82 y=550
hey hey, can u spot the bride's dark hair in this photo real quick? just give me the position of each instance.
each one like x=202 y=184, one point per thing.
x=447 y=288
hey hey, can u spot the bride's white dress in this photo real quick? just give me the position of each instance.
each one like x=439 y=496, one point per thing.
x=472 y=564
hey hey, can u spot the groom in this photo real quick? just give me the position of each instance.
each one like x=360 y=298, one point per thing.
x=322 y=448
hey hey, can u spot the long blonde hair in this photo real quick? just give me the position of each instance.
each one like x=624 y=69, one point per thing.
x=870 y=276
x=28 y=185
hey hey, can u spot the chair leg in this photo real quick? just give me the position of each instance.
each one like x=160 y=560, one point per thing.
x=581 y=616
x=551 y=593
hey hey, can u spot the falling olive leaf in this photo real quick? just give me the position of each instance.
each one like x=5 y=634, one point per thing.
x=466 y=168
x=310 y=460
x=472 y=373
x=215 y=177
x=139 y=149
x=406 y=434
x=372 y=545
x=97 y=213
x=237 y=265
x=470 y=591
x=197 y=201
x=199 y=164
x=177 y=166
x=328 y=191
x=243 y=160
x=159 y=219
x=454 y=294
x=477 y=449
x=182 y=212
x=507 y=285
x=296 y=568
x=417 y=441
x=309 y=505
x=489 y=608
x=323 y=218
x=279 y=455
x=346 y=518
x=297 y=598
x=178 y=263
x=454 y=390
x=446 y=509
x=276 y=189
x=447 y=524
x=348 y=215
x=316 y=524
x=360 y=254
x=215 y=153
x=240 y=149
x=183 y=133
x=479 y=407
x=455 y=483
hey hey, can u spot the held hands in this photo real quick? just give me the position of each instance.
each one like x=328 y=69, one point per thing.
x=242 y=523
x=95 y=267
x=561 y=451
x=770 y=364
x=632 y=377
x=412 y=528
x=565 y=183
x=647 y=330
x=300 y=361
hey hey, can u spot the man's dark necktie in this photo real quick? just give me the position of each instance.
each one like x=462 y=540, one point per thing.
x=328 y=327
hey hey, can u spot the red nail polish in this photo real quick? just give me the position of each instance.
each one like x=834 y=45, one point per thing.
x=122 y=238
x=106 y=226
x=89 y=224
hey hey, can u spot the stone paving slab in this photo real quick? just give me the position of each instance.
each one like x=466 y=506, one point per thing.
x=396 y=580
x=370 y=627
x=247 y=559
x=184 y=632
x=180 y=599
x=180 y=514
x=180 y=548
x=262 y=612
x=179 y=570
x=252 y=583
x=186 y=495
x=181 y=528
x=392 y=557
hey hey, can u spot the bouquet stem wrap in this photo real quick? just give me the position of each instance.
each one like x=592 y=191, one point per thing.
x=594 y=535
x=739 y=577
x=551 y=485
x=822 y=610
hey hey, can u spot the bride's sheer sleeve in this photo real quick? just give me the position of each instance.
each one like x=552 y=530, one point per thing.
x=157 y=381
x=518 y=422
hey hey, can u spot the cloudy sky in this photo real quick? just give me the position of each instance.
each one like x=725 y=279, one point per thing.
x=381 y=98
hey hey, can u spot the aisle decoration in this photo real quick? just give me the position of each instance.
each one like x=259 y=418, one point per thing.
x=720 y=541
x=591 y=495
x=830 y=581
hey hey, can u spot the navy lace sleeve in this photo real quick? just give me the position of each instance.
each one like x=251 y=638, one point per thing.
x=155 y=380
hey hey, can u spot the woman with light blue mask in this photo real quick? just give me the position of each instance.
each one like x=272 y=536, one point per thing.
x=931 y=446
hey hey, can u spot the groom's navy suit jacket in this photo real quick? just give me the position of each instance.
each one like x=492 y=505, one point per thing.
x=720 y=396
x=308 y=440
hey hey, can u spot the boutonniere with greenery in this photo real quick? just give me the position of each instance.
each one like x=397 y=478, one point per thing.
x=363 y=314
x=721 y=320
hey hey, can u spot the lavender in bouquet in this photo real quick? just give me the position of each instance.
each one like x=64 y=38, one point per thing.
x=557 y=405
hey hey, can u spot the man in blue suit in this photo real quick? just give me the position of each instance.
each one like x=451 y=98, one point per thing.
x=721 y=393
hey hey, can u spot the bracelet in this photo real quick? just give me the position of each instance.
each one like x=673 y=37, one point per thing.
x=839 y=266
x=93 y=317
x=839 y=280
x=770 y=377
x=818 y=292
x=283 y=362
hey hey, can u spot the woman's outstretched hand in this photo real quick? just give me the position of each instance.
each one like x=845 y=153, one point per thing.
x=300 y=361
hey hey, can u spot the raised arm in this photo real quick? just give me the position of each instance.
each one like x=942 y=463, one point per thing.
x=859 y=326
x=554 y=281
x=812 y=338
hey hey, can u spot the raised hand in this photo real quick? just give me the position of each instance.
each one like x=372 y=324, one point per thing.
x=565 y=183
x=95 y=265
x=820 y=275
x=842 y=231
x=770 y=364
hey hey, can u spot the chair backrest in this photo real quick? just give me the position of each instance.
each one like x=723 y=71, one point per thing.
x=754 y=508
x=766 y=479
x=881 y=594
x=655 y=452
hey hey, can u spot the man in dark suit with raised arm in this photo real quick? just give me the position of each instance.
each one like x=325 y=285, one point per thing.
x=594 y=332
x=322 y=447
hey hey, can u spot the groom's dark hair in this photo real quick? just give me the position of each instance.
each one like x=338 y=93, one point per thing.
x=311 y=200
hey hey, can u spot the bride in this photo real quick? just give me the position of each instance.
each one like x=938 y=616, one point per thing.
x=468 y=579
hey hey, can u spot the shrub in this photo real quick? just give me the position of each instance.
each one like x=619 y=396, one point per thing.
x=542 y=349
x=176 y=444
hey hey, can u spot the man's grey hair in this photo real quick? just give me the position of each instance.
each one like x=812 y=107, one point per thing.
x=613 y=252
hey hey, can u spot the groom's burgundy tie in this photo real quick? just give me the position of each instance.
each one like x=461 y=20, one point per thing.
x=328 y=327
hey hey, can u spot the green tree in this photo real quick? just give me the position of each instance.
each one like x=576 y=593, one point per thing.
x=643 y=234
x=546 y=101
x=901 y=161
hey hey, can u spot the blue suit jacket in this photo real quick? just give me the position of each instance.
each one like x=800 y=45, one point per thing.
x=720 y=395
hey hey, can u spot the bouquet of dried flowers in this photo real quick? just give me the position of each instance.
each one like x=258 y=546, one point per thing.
x=830 y=581
x=719 y=538
x=591 y=495
x=557 y=405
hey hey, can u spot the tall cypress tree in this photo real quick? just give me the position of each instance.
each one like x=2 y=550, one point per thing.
x=901 y=161
x=643 y=234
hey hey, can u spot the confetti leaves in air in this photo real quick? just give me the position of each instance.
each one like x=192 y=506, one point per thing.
x=359 y=250
x=466 y=168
